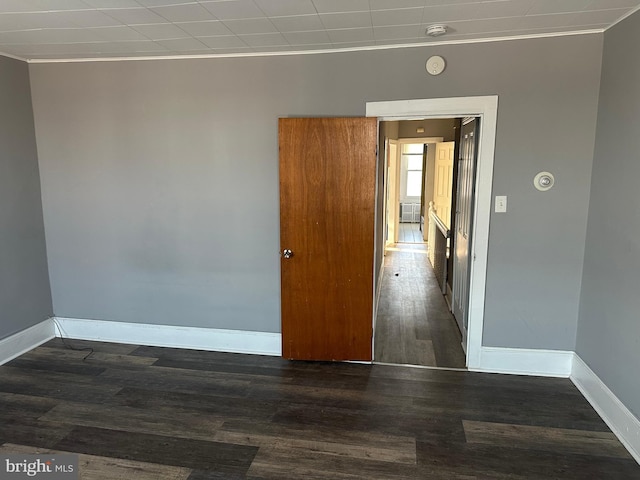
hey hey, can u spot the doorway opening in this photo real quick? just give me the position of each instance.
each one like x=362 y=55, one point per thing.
x=414 y=324
x=481 y=114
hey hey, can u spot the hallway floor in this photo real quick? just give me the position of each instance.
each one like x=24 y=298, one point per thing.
x=410 y=233
x=414 y=325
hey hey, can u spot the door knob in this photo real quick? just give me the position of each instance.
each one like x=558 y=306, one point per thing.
x=286 y=253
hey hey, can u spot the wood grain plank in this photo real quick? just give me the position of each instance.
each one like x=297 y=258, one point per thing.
x=544 y=438
x=60 y=356
x=413 y=324
x=157 y=421
x=378 y=421
x=277 y=462
x=237 y=417
x=198 y=404
x=175 y=379
x=487 y=461
x=334 y=441
x=102 y=347
x=15 y=405
x=63 y=386
x=94 y=467
x=192 y=454
x=37 y=433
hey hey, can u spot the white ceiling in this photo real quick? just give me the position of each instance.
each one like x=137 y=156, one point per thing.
x=75 y=29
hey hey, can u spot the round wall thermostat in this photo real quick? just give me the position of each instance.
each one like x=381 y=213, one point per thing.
x=435 y=65
x=543 y=181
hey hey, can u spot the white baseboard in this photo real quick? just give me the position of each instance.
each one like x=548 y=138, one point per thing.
x=28 y=339
x=194 y=338
x=620 y=420
x=523 y=361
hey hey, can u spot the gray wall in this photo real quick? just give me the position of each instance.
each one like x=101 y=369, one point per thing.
x=141 y=162
x=609 y=329
x=25 y=298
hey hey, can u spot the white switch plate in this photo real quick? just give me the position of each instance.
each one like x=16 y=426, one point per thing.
x=501 y=203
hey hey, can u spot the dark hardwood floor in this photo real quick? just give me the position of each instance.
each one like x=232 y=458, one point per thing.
x=160 y=413
x=414 y=325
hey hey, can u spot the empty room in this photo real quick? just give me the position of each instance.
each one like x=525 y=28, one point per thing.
x=198 y=214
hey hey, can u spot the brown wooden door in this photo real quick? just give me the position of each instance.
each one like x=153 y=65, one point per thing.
x=327 y=208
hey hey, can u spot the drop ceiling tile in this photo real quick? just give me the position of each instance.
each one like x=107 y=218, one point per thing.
x=36 y=20
x=596 y=17
x=232 y=50
x=307 y=38
x=250 y=26
x=398 y=32
x=118 y=34
x=18 y=38
x=52 y=49
x=66 y=35
x=575 y=20
x=264 y=39
x=311 y=46
x=275 y=48
x=54 y=5
x=298 y=23
x=395 y=4
x=134 y=16
x=162 y=3
x=234 y=10
x=351 y=35
x=429 y=3
x=544 y=7
x=112 y=3
x=482 y=10
x=562 y=29
x=606 y=4
x=223 y=41
x=16 y=6
x=402 y=41
x=162 y=31
x=59 y=35
x=199 y=51
x=184 y=13
x=328 y=6
x=205 y=29
x=131 y=48
x=182 y=44
x=89 y=18
x=354 y=44
x=467 y=27
x=283 y=8
x=346 y=20
x=406 y=16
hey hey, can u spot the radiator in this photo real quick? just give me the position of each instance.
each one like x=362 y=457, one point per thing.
x=410 y=213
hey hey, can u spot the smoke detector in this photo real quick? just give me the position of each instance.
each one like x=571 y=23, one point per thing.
x=436 y=30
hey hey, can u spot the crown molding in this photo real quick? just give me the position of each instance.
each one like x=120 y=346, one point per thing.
x=318 y=52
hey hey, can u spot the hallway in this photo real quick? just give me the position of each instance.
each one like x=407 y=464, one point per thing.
x=414 y=325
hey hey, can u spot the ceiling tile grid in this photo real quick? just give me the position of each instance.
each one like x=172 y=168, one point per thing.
x=70 y=29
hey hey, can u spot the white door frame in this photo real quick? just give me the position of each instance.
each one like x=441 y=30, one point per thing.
x=487 y=109
x=394 y=165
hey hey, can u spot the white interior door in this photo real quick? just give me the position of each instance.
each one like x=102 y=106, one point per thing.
x=463 y=225
x=443 y=181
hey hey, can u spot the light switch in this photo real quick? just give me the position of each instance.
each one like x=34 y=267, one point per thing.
x=501 y=203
